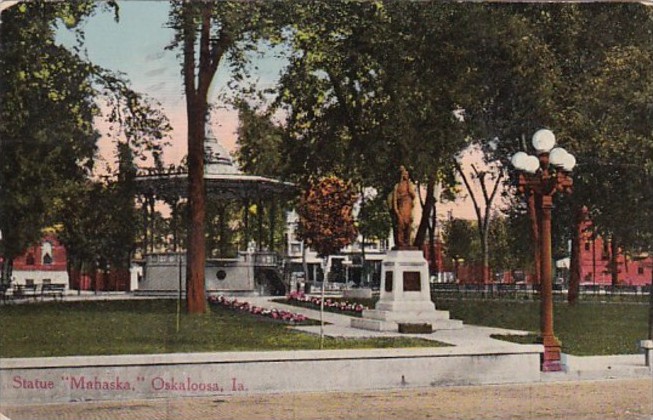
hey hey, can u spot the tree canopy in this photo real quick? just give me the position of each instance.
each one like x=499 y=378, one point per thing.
x=326 y=220
x=49 y=99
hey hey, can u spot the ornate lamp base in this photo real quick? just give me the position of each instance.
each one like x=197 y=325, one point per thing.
x=551 y=360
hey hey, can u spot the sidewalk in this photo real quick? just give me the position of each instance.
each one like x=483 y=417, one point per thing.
x=630 y=366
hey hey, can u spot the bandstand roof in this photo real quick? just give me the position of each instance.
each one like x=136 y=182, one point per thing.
x=222 y=178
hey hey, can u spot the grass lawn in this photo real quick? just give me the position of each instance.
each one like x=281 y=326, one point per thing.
x=149 y=326
x=589 y=328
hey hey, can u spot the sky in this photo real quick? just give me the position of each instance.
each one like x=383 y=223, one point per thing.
x=135 y=46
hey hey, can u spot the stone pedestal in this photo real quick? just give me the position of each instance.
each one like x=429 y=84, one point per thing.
x=405 y=296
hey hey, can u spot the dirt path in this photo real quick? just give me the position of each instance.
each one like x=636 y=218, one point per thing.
x=613 y=399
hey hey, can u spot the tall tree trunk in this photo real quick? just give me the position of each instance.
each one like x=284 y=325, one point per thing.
x=211 y=51
x=486 y=251
x=196 y=253
x=614 y=261
x=483 y=219
x=427 y=208
x=304 y=264
x=363 y=280
x=7 y=269
x=574 y=264
x=432 y=226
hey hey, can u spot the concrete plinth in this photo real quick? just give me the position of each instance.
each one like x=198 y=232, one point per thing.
x=135 y=377
x=405 y=296
x=362 y=293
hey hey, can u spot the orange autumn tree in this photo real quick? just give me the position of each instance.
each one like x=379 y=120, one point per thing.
x=326 y=222
x=326 y=219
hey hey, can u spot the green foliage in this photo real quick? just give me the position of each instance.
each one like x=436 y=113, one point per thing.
x=461 y=240
x=374 y=219
x=259 y=143
x=221 y=228
x=501 y=234
x=362 y=95
x=46 y=131
x=94 y=237
x=49 y=98
x=207 y=33
x=599 y=109
x=326 y=220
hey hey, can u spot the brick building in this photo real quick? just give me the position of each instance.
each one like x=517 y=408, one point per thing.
x=41 y=263
x=46 y=262
x=595 y=260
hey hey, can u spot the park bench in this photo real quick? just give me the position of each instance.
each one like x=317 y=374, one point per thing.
x=24 y=291
x=53 y=290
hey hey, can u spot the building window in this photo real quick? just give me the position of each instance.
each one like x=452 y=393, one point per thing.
x=640 y=270
x=46 y=252
x=29 y=260
x=587 y=246
x=296 y=248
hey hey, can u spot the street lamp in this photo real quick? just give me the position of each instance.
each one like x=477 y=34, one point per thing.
x=542 y=176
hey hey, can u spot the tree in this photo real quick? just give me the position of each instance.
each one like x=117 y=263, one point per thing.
x=374 y=220
x=460 y=240
x=483 y=217
x=607 y=121
x=207 y=33
x=367 y=91
x=259 y=143
x=326 y=220
x=259 y=153
x=48 y=100
x=579 y=70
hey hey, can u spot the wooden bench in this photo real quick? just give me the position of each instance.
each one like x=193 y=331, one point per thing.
x=24 y=291
x=53 y=290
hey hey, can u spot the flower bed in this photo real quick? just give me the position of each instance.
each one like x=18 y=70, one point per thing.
x=329 y=304
x=276 y=314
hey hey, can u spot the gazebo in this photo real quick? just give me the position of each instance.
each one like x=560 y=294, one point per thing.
x=252 y=271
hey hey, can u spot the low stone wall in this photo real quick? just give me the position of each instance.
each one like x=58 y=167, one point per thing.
x=68 y=379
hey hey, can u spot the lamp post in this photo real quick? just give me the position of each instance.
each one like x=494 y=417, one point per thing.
x=541 y=177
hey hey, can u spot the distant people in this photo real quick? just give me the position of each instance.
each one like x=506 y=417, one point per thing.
x=402 y=201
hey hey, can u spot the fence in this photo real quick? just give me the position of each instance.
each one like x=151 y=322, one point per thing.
x=532 y=292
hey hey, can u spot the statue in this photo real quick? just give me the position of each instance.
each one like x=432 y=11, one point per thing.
x=402 y=199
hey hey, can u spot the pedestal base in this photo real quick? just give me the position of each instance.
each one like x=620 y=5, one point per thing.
x=551 y=358
x=393 y=326
x=405 y=296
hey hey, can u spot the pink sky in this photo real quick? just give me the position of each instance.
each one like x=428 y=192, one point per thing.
x=224 y=124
